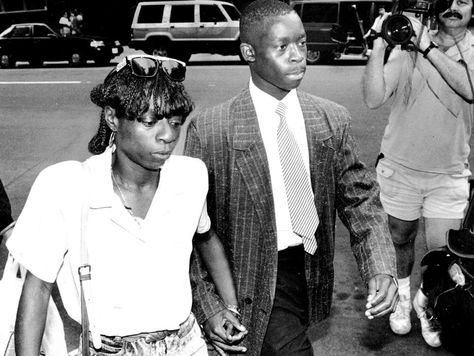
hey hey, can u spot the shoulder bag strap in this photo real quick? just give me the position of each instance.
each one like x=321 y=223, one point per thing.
x=85 y=281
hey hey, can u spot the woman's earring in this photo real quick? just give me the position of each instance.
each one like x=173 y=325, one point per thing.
x=112 y=139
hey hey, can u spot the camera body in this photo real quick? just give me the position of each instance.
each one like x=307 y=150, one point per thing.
x=398 y=30
x=421 y=7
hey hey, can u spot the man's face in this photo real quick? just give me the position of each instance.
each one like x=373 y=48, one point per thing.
x=280 y=55
x=381 y=11
x=457 y=15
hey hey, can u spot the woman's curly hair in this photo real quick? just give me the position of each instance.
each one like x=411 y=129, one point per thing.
x=130 y=96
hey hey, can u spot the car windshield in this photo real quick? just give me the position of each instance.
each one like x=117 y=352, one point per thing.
x=7 y=31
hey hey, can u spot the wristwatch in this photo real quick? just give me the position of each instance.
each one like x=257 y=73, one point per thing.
x=430 y=47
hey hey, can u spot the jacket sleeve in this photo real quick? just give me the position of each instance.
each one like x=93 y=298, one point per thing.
x=5 y=209
x=206 y=301
x=359 y=208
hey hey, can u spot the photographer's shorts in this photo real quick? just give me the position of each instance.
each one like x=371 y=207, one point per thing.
x=186 y=341
x=407 y=194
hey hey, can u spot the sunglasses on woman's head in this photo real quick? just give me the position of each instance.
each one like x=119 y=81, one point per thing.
x=146 y=66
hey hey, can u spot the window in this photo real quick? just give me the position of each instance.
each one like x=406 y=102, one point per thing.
x=151 y=14
x=21 y=31
x=319 y=13
x=297 y=8
x=182 y=13
x=211 y=13
x=42 y=31
x=232 y=12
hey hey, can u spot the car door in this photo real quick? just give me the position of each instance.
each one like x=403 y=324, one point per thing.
x=45 y=43
x=213 y=24
x=182 y=22
x=21 y=42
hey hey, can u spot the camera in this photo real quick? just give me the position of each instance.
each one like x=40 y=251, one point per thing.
x=424 y=7
x=397 y=28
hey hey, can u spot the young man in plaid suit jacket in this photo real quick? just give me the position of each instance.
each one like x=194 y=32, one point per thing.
x=281 y=288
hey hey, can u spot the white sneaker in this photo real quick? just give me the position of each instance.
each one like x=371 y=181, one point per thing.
x=400 y=322
x=429 y=328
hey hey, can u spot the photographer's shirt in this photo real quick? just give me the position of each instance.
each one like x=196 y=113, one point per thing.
x=429 y=126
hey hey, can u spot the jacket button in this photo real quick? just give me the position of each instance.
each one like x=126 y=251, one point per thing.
x=248 y=300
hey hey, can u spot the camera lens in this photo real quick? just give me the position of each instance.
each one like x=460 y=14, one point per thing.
x=397 y=29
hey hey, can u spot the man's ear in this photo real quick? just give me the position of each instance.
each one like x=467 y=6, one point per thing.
x=248 y=53
x=110 y=118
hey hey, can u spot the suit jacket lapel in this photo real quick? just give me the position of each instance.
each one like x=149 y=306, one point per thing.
x=251 y=158
x=318 y=134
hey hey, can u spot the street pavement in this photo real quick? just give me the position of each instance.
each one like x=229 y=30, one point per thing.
x=46 y=117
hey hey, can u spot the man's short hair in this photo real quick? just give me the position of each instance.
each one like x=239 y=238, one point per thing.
x=256 y=13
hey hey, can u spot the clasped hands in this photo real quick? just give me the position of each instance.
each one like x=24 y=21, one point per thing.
x=383 y=296
x=225 y=331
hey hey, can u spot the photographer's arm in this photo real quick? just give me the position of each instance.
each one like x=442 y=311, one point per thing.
x=454 y=73
x=374 y=89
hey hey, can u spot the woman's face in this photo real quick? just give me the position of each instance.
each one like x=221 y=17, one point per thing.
x=149 y=140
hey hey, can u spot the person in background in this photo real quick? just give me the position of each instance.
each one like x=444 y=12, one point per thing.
x=74 y=22
x=6 y=219
x=80 y=22
x=423 y=167
x=65 y=25
x=144 y=206
x=281 y=164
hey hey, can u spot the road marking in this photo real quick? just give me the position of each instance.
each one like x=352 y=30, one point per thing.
x=48 y=82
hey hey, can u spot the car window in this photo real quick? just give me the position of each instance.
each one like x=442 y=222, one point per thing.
x=212 y=13
x=151 y=14
x=21 y=31
x=319 y=13
x=182 y=13
x=297 y=8
x=42 y=31
x=232 y=12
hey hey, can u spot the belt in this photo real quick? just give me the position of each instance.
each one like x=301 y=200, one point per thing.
x=151 y=337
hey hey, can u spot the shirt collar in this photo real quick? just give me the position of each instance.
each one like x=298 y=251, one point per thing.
x=264 y=100
x=100 y=170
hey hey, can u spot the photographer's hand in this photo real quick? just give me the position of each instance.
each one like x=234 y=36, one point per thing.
x=422 y=39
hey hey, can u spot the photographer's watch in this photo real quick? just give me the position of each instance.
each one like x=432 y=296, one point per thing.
x=430 y=47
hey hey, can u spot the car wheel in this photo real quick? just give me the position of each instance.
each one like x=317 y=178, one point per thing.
x=7 y=61
x=313 y=56
x=160 y=49
x=76 y=59
x=317 y=56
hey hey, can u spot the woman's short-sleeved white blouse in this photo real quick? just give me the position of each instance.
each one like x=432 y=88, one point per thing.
x=140 y=272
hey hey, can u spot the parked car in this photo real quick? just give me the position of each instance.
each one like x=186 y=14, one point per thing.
x=179 y=29
x=37 y=43
x=334 y=27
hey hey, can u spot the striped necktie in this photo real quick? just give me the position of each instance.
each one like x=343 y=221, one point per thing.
x=299 y=194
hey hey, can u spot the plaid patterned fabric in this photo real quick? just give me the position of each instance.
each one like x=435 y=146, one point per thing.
x=227 y=138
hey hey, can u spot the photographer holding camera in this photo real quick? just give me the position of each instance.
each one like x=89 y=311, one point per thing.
x=422 y=169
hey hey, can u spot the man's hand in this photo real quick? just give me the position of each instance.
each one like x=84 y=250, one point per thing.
x=422 y=39
x=224 y=331
x=383 y=296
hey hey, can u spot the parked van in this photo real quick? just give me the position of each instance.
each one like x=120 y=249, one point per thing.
x=181 y=28
x=346 y=20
